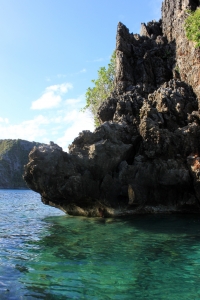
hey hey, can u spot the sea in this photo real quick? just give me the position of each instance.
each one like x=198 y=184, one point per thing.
x=46 y=254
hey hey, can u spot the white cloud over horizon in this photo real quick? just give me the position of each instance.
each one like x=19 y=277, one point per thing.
x=79 y=121
x=74 y=101
x=75 y=120
x=4 y=120
x=60 y=125
x=29 y=130
x=52 y=96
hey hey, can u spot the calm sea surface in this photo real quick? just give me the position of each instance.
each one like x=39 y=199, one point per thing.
x=45 y=254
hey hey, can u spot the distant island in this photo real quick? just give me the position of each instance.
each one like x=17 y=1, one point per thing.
x=13 y=157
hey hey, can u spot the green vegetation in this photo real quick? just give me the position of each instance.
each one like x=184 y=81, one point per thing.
x=103 y=86
x=192 y=27
x=177 y=69
x=5 y=145
x=13 y=157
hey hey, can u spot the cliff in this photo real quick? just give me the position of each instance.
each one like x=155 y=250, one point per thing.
x=145 y=155
x=13 y=157
x=187 y=56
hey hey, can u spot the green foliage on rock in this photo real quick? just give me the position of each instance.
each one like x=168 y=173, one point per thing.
x=192 y=27
x=103 y=86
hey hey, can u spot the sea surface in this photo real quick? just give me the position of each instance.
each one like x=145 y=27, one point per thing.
x=45 y=254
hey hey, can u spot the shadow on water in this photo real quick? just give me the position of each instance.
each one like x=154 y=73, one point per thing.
x=167 y=223
x=79 y=258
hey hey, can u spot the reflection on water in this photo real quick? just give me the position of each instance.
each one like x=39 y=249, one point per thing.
x=45 y=254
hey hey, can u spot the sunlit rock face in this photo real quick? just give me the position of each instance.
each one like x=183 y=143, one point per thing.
x=187 y=56
x=144 y=157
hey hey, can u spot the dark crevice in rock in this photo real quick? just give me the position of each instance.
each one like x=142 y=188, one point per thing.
x=194 y=4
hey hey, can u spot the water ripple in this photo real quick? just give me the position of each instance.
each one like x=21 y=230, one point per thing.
x=45 y=254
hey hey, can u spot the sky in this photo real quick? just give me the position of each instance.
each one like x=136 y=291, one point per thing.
x=50 y=51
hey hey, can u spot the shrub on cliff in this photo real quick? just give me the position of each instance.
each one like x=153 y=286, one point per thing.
x=192 y=27
x=103 y=86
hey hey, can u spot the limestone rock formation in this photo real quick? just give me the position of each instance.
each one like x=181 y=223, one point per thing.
x=145 y=155
x=187 y=56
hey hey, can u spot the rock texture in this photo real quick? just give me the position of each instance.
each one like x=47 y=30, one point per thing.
x=187 y=56
x=145 y=156
x=13 y=157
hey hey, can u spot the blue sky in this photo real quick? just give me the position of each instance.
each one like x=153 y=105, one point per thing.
x=50 y=51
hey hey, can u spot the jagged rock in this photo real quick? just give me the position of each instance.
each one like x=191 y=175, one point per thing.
x=145 y=155
x=187 y=56
x=152 y=29
x=143 y=61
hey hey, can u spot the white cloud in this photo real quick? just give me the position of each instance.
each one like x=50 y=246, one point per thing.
x=28 y=130
x=4 y=120
x=52 y=96
x=60 y=88
x=75 y=101
x=48 y=100
x=72 y=101
x=73 y=121
x=59 y=125
x=79 y=121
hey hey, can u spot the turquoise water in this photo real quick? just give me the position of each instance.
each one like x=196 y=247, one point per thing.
x=45 y=254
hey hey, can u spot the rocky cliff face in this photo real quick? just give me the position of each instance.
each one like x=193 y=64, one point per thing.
x=145 y=155
x=13 y=157
x=187 y=57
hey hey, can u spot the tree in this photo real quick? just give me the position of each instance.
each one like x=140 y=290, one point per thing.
x=103 y=86
x=192 y=27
